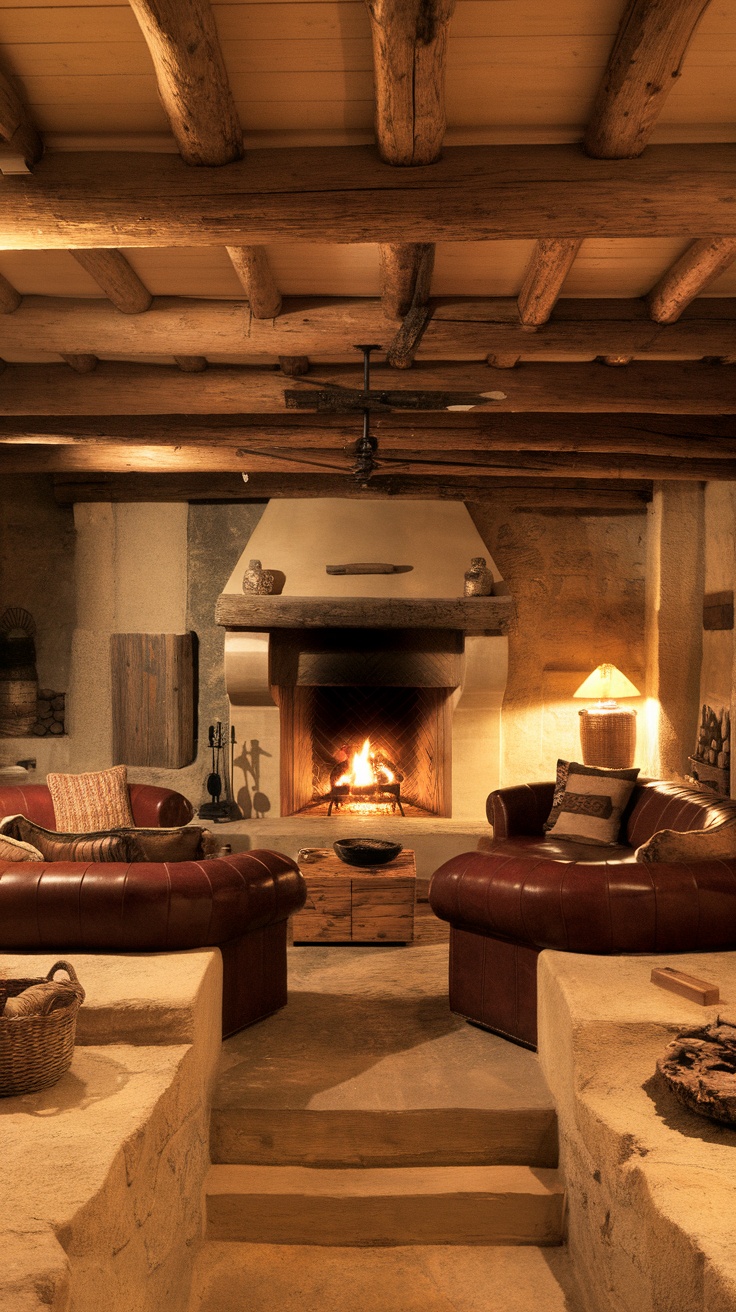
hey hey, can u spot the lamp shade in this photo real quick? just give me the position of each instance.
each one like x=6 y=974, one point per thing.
x=606 y=684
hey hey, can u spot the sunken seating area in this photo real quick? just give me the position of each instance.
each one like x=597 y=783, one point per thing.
x=239 y=903
x=528 y=891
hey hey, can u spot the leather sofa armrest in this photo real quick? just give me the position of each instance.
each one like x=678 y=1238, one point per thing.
x=159 y=807
x=520 y=811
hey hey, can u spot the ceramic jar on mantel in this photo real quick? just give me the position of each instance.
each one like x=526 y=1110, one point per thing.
x=258 y=580
x=478 y=579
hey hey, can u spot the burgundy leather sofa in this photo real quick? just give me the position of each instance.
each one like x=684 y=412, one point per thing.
x=239 y=904
x=526 y=892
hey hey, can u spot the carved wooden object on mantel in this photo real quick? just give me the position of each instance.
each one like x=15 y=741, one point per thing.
x=699 y=1067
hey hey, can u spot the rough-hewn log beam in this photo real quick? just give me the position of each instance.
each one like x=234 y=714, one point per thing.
x=458 y=329
x=441 y=437
x=409 y=49
x=662 y=387
x=20 y=144
x=643 y=67
x=10 y=299
x=254 y=271
x=192 y=81
x=116 y=277
x=81 y=364
x=560 y=496
x=138 y=457
x=696 y=269
x=345 y=194
x=406 y=277
x=549 y=266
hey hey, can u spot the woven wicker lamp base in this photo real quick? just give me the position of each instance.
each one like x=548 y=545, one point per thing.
x=608 y=738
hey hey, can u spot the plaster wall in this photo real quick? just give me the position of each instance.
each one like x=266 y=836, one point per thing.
x=578 y=588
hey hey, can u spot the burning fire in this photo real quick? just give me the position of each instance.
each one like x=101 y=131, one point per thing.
x=368 y=769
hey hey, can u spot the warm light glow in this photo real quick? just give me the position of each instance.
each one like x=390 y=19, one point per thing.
x=364 y=772
x=606 y=684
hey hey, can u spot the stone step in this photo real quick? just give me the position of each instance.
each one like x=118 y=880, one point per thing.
x=402 y=1205
x=430 y=1136
x=423 y=1278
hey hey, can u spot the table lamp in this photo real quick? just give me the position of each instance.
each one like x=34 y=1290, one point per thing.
x=607 y=730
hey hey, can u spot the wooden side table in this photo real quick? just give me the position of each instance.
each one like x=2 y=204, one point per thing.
x=351 y=904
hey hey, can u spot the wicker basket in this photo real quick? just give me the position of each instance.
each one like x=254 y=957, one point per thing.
x=35 y=1051
x=608 y=738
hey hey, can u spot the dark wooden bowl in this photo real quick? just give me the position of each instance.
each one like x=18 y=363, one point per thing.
x=367 y=851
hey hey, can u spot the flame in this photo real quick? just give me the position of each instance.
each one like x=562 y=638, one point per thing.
x=364 y=772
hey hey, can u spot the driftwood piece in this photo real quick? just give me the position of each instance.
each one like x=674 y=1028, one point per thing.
x=699 y=1066
x=688 y=986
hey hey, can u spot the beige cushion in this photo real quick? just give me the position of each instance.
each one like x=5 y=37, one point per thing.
x=91 y=803
x=592 y=805
x=54 y=846
x=563 y=771
x=12 y=849
x=696 y=845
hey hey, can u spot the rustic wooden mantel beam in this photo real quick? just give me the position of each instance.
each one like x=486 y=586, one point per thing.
x=696 y=269
x=116 y=278
x=192 y=80
x=459 y=330
x=643 y=67
x=661 y=387
x=346 y=194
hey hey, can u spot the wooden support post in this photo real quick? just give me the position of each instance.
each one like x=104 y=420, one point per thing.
x=192 y=81
x=550 y=264
x=406 y=277
x=117 y=279
x=81 y=364
x=409 y=48
x=502 y=361
x=644 y=65
x=253 y=270
x=700 y=265
x=294 y=365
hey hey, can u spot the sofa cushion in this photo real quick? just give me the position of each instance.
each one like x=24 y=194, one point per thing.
x=184 y=843
x=663 y=804
x=672 y=846
x=94 y=802
x=559 y=849
x=12 y=849
x=592 y=804
x=54 y=846
x=563 y=772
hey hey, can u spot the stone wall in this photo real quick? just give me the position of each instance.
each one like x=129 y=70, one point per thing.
x=578 y=586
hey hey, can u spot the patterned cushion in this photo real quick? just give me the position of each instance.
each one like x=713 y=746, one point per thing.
x=66 y=847
x=695 y=845
x=183 y=844
x=563 y=770
x=592 y=804
x=91 y=803
x=12 y=849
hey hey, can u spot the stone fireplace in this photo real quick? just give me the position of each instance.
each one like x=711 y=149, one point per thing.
x=398 y=666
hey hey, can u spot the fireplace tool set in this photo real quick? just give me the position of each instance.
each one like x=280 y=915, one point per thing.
x=222 y=806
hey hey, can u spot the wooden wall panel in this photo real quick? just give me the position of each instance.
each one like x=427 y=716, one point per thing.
x=153 y=699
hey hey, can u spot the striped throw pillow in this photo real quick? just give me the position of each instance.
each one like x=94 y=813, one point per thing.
x=593 y=804
x=53 y=846
x=91 y=803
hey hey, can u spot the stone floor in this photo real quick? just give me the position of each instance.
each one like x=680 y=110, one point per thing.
x=367 y=1068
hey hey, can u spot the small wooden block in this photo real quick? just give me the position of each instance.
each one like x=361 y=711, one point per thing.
x=688 y=986
x=366 y=567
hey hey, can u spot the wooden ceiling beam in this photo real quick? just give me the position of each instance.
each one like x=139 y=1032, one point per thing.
x=644 y=65
x=116 y=278
x=409 y=52
x=10 y=299
x=656 y=387
x=20 y=143
x=192 y=81
x=561 y=496
x=346 y=194
x=406 y=277
x=698 y=267
x=108 y=457
x=459 y=329
x=257 y=280
x=548 y=268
